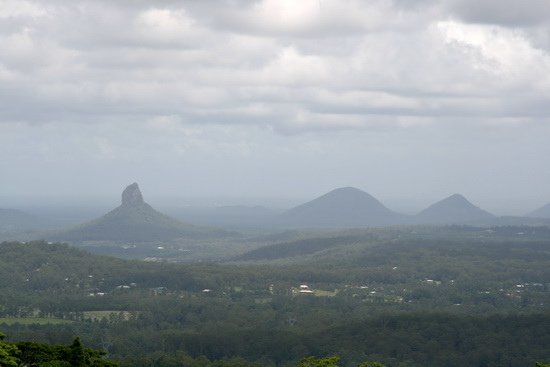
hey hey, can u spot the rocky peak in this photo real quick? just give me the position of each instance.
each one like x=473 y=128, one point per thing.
x=131 y=195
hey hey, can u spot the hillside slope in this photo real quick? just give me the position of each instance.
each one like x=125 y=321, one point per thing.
x=542 y=212
x=346 y=207
x=454 y=209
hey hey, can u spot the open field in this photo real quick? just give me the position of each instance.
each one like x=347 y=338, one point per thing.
x=32 y=321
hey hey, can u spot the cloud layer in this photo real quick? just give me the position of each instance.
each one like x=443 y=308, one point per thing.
x=291 y=96
x=292 y=66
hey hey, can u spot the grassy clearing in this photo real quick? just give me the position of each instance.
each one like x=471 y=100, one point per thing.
x=321 y=293
x=109 y=315
x=32 y=321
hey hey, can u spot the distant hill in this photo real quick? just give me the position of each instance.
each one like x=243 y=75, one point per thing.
x=385 y=246
x=297 y=248
x=133 y=220
x=39 y=265
x=543 y=212
x=224 y=216
x=341 y=208
x=454 y=209
x=12 y=219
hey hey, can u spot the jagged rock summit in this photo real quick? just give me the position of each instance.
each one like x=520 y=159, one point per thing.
x=132 y=195
x=344 y=207
x=454 y=209
x=133 y=221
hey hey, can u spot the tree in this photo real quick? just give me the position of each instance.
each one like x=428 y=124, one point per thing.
x=333 y=362
x=77 y=357
x=8 y=353
x=370 y=364
x=319 y=362
x=74 y=355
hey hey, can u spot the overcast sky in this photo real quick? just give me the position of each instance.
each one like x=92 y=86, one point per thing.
x=244 y=101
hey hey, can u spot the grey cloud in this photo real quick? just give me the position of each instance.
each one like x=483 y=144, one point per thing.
x=314 y=19
x=509 y=13
x=271 y=63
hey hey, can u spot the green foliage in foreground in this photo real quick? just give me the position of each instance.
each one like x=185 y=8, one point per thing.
x=319 y=362
x=8 y=353
x=46 y=355
x=75 y=355
x=332 y=362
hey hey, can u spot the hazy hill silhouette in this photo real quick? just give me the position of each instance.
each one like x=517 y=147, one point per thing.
x=543 y=212
x=454 y=209
x=13 y=219
x=133 y=220
x=341 y=208
x=236 y=216
x=300 y=247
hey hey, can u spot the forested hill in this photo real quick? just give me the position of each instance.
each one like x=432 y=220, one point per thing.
x=44 y=266
x=414 y=246
x=300 y=247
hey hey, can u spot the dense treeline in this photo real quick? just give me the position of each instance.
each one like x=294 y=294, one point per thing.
x=424 y=339
x=75 y=355
x=46 y=355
